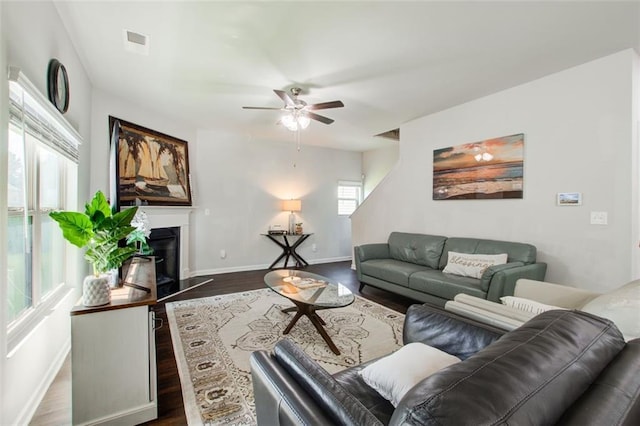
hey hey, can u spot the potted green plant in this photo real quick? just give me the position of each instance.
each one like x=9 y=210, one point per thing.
x=99 y=231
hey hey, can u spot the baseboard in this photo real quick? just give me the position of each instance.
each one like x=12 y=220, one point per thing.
x=133 y=416
x=202 y=272
x=34 y=402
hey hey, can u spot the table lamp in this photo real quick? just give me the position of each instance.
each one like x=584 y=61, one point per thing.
x=292 y=206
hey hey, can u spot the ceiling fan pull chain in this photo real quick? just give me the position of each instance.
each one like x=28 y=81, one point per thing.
x=295 y=154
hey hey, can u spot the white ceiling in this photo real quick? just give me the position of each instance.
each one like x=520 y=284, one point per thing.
x=388 y=61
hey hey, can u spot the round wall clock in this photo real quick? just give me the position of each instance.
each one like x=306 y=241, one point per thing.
x=58 y=85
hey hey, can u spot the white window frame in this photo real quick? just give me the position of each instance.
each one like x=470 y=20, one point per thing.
x=37 y=114
x=357 y=198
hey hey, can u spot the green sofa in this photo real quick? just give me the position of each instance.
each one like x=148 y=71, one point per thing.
x=412 y=265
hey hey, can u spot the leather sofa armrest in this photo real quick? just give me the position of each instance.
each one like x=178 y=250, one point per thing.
x=492 y=270
x=503 y=282
x=448 y=332
x=372 y=251
x=279 y=400
x=369 y=251
x=329 y=395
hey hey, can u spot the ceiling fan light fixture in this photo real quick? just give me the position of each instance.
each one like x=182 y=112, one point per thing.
x=298 y=114
x=289 y=122
x=294 y=121
x=303 y=121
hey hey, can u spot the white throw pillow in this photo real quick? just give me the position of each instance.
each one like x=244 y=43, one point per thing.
x=393 y=375
x=472 y=265
x=527 y=305
x=622 y=306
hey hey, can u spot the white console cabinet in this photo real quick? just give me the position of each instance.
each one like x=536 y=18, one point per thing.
x=113 y=357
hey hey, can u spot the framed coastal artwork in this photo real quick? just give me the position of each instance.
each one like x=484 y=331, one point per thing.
x=488 y=169
x=569 y=198
x=148 y=167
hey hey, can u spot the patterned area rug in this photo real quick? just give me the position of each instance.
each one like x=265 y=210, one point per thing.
x=214 y=336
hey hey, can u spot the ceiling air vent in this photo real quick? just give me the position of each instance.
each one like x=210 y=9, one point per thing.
x=391 y=134
x=136 y=42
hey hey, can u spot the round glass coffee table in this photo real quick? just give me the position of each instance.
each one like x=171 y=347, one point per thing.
x=309 y=293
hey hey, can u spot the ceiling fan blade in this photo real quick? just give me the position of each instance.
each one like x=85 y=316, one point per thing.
x=319 y=118
x=245 y=107
x=285 y=97
x=325 y=105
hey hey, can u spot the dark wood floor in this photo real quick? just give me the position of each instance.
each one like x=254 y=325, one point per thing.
x=170 y=406
x=56 y=406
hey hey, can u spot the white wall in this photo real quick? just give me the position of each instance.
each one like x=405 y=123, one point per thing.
x=242 y=182
x=635 y=177
x=376 y=164
x=33 y=34
x=578 y=137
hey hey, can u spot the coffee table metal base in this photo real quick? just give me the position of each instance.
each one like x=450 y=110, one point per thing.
x=303 y=309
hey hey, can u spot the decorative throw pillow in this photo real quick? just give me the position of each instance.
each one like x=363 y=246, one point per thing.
x=393 y=375
x=527 y=305
x=472 y=265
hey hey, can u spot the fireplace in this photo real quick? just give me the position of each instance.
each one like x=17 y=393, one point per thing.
x=165 y=243
x=175 y=218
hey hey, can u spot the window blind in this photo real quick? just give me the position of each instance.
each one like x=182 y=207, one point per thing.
x=348 y=197
x=40 y=118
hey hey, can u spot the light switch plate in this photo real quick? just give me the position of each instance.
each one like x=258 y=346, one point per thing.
x=599 y=218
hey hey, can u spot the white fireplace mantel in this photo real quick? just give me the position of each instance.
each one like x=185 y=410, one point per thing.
x=168 y=217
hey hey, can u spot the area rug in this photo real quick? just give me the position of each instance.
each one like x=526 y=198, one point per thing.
x=214 y=336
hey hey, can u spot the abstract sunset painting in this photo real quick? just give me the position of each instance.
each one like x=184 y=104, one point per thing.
x=488 y=169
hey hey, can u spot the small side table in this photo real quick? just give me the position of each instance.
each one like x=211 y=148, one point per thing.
x=289 y=248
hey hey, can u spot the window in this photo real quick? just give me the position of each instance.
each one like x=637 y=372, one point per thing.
x=41 y=176
x=349 y=197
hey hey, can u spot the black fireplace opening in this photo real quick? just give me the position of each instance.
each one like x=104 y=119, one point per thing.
x=165 y=243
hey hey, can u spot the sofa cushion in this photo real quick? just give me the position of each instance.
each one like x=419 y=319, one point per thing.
x=416 y=248
x=334 y=400
x=529 y=376
x=472 y=265
x=394 y=271
x=444 y=285
x=441 y=329
x=517 y=252
x=393 y=375
x=616 y=389
x=350 y=379
x=622 y=306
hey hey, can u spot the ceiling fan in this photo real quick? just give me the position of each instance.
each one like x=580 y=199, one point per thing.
x=299 y=111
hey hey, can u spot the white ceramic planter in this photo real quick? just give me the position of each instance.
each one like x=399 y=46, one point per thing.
x=96 y=291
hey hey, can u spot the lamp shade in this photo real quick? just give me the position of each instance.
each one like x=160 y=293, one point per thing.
x=292 y=205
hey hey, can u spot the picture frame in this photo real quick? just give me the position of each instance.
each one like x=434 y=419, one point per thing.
x=488 y=169
x=569 y=199
x=148 y=167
